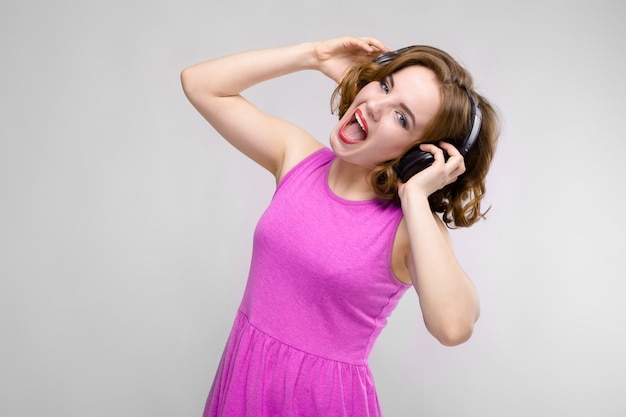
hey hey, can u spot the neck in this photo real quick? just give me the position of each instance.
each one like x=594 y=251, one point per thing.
x=349 y=181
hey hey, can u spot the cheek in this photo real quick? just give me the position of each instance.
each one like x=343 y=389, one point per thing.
x=386 y=152
x=398 y=150
x=397 y=143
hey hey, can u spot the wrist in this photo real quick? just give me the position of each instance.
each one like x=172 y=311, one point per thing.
x=413 y=200
x=310 y=55
x=409 y=193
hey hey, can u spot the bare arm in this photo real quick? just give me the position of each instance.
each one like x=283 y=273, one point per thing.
x=214 y=88
x=448 y=298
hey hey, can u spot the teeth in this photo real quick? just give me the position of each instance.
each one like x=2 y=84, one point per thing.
x=358 y=119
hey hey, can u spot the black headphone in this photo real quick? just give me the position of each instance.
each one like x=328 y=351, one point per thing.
x=415 y=160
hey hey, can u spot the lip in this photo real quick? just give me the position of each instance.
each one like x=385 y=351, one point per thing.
x=350 y=120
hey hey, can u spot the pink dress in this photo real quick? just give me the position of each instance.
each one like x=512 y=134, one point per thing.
x=319 y=293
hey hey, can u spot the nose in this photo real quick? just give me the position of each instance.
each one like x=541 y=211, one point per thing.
x=375 y=107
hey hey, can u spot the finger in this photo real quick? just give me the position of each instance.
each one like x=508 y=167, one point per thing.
x=449 y=148
x=436 y=151
x=454 y=155
x=460 y=169
x=373 y=45
x=458 y=166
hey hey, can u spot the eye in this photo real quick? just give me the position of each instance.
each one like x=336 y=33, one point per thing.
x=384 y=86
x=401 y=119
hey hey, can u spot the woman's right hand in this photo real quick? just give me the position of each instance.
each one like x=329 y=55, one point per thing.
x=336 y=56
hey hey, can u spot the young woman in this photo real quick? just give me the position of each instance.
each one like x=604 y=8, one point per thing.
x=344 y=236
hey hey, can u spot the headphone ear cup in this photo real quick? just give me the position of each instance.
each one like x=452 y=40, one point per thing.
x=412 y=162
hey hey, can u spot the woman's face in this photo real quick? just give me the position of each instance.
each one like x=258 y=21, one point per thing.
x=387 y=117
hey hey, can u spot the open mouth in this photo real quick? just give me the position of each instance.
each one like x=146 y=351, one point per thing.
x=355 y=129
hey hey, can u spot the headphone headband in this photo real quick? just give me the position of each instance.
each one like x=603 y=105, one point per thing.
x=477 y=120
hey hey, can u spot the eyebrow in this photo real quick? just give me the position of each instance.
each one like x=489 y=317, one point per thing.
x=402 y=105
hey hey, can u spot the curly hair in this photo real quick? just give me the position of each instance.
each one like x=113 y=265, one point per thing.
x=460 y=201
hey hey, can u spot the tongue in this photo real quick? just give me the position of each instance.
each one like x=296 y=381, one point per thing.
x=354 y=132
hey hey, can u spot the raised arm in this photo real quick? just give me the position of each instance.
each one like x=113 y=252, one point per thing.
x=448 y=298
x=214 y=88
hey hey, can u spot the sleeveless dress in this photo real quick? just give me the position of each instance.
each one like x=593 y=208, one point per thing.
x=319 y=292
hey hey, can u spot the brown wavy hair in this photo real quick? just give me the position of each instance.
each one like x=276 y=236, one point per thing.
x=460 y=201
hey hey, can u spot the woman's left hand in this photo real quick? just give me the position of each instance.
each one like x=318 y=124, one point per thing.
x=441 y=173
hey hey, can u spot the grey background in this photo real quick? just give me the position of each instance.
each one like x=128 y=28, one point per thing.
x=126 y=221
